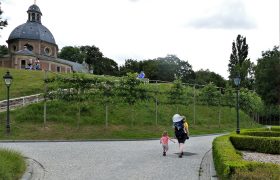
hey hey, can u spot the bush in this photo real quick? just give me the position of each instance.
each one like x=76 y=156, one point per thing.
x=262 y=133
x=255 y=143
x=230 y=165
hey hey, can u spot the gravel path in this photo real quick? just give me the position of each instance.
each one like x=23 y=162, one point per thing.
x=261 y=157
x=118 y=160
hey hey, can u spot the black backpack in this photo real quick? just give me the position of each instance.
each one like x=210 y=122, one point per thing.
x=179 y=129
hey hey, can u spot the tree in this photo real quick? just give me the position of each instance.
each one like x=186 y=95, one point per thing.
x=176 y=93
x=71 y=53
x=131 y=90
x=268 y=76
x=130 y=66
x=3 y=50
x=93 y=57
x=203 y=77
x=3 y=23
x=171 y=65
x=239 y=64
x=108 y=66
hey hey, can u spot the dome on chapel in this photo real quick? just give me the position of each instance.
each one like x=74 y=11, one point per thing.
x=33 y=28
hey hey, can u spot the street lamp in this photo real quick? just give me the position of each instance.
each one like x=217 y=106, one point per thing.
x=237 y=83
x=8 y=81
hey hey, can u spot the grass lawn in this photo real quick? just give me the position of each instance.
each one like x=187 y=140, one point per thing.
x=63 y=124
x=12 y=165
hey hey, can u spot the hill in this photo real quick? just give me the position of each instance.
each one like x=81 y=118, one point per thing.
x=64 y=121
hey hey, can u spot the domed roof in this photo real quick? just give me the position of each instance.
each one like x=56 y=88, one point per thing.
x=32 y=30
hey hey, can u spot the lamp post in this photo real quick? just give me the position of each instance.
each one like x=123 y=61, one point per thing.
x=8 y=81
x=237 y=83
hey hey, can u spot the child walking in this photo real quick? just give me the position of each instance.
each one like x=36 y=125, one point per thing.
x=164 y=141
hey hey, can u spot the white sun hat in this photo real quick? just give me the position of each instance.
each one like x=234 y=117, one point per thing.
x=177 y=118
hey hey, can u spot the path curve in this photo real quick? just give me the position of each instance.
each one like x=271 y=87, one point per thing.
x=118 y=160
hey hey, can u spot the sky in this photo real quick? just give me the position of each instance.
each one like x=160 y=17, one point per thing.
x=198 y=31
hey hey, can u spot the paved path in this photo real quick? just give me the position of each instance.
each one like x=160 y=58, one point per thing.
x=118 y=160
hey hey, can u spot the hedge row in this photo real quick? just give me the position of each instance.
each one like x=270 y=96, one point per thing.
x=255 y=143
x=262 y=133
x=230 y=165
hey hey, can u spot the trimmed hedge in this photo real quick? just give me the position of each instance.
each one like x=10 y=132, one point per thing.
x=254 y=143
x=262 y=133
x=230 y=165
x=275 y=128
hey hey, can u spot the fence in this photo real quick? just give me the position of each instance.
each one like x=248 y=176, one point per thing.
x=21 y=101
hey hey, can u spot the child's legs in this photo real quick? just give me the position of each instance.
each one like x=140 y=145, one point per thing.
x=165 y=147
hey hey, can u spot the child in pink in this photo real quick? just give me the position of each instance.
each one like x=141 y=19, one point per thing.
x=164 y=141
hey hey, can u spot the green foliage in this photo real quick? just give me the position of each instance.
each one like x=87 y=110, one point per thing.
x=12 y=165
x=250 y=101
x=256 y=143
x=239 y=64
x=175 y=95
x=228 y=98
x=203 y=77
x=230 y=165
x=71 y=53
x=261 y=133
x=3 y=50
x=93 y=57
x=161 y=68
x=130 y=89
x=210 y=94
x=2 y=23
x=268 y=76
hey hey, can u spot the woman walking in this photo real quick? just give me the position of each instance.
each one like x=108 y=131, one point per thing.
x=181 y=131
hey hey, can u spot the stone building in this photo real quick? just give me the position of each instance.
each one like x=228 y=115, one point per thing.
x=32 y=46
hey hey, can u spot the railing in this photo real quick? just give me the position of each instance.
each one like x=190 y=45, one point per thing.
x=21 y=101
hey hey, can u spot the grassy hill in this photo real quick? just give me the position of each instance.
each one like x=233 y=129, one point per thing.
x=123 y=121
x=25 y=82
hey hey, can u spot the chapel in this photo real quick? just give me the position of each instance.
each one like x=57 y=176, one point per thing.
x=32 y=46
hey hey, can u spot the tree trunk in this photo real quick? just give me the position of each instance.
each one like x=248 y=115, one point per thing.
x=106 y=114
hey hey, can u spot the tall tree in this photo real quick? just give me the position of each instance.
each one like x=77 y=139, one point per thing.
x=72 y=54
x=93 y=57
x=239 y=64
x=268 y=76
x=3 y=23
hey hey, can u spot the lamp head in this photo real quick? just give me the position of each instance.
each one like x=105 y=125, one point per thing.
x=236 y=80
x=8 y=79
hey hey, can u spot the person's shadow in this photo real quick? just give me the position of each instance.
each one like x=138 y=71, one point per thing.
x=187 y=154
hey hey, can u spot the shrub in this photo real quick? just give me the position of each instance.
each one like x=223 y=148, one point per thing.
x=262 y=133
x=255 y=143
x=230 y=165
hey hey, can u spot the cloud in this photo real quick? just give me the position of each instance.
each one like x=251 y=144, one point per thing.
x=230 y=15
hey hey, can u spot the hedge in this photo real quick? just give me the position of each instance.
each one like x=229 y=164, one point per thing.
x=230 y=165
x=262 y=133
x=255 y=143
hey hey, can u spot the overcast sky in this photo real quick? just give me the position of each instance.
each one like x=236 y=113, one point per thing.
x=199 y=31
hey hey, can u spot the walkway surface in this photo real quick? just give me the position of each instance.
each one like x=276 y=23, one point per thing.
x=118 y=160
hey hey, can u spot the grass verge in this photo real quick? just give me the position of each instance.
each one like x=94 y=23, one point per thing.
x=12 y=165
